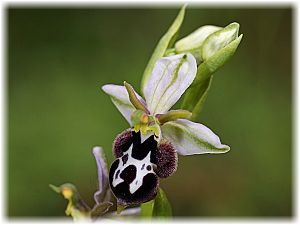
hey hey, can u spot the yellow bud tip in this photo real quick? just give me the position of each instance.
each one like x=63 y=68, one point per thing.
x=67 y=193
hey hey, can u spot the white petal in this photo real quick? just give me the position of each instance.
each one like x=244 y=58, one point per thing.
x=191 y=138
x=120 y=98
x=170 y=78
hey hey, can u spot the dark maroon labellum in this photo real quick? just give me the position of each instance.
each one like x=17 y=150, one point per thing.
x=133 y=176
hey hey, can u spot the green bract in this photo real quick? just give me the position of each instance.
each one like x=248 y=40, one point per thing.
x=159 y=207
x=164 y=43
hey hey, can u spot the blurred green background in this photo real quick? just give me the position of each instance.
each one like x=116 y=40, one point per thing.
x=58 y=58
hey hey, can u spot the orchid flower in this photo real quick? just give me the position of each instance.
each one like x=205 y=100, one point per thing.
x=77 y=208
x=148 y=150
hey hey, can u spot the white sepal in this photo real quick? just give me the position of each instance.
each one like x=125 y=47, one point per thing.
x=191 y=138
x=170 y=78
x=119 y=97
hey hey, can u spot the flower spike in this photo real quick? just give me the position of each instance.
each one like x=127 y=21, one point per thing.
x=147 y=151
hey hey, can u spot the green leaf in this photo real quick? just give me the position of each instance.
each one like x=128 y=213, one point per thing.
x=162 y=207
x=158 y=207
x=164 y=43
x=147 y=209
x=194 y=96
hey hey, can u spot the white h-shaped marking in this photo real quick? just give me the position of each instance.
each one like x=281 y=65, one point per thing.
x=138 y=181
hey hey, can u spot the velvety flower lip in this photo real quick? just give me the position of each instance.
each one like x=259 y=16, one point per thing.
x=170 y=78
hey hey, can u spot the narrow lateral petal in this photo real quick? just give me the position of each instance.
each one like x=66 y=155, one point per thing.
x=191 y=138
x=120 y=98
x=170 y=78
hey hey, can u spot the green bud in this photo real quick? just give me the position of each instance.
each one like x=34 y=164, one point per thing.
x=194 y=41
x=217 y=49
x=218 y=40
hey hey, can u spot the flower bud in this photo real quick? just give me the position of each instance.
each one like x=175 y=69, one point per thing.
x=219 y=40
x=216 y=50
x=193 y=42
x=207 y=41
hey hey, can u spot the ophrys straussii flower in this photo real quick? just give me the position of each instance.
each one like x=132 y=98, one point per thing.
x=77 y=208
x=148 y=150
